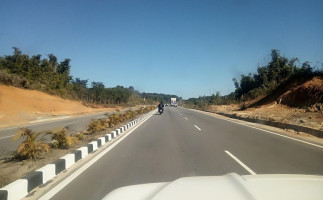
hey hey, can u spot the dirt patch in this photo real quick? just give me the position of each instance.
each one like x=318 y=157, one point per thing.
x=19 y=106
x=275 y=113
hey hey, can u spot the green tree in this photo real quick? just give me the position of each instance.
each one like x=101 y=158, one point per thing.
x=80 y=88
x=97 y=91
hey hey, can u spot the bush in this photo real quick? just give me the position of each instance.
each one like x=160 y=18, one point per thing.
x=97 y=125
x=114 y=119
x=130 y=114
x=62 y=140
x=80 y=136
x=13 y=79
x=31 y=148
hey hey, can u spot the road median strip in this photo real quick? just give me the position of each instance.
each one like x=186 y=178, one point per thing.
x=21 y=187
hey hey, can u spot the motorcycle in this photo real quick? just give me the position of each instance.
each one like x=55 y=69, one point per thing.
x=160 y=111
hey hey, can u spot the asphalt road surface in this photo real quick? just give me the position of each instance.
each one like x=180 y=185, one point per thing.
x=183 y=143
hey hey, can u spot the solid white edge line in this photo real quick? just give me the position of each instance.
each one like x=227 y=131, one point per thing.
x=241 y=163
x=197 y=127
x=276 y=134
x=316 y=145
x=70 y=178
x=6 y=137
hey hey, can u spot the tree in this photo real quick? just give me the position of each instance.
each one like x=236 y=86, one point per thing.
x=97 y=91
x=261 y=78
x=80 y=88
x=268 y=77
x=236 y=84
x=54 y=77
x=306 y=68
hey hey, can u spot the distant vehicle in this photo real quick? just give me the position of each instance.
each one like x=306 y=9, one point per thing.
x=160 y=111
x=229 y=186
x=173 y=102
x=160 y=108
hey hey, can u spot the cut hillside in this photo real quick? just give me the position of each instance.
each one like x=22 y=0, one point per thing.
x=20 y=106
x=297 y=102
x=299 y=92
x=304 y=95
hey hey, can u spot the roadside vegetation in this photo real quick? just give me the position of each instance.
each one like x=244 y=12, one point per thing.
x=53 y=77
x=61 y=139
x=277 y=73
x=32 y=147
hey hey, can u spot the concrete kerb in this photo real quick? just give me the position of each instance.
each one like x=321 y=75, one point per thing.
x=21 y=187
x=101 y=141
x=69 y=160
x=48 y=172
x=108 y=137
x=15 y=190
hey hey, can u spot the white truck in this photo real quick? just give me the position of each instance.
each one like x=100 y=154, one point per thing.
x=173 y=102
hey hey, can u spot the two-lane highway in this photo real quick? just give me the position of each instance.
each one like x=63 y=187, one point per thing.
x=181 y=143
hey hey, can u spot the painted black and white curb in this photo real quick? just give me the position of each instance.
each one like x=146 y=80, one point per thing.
x=21 y=187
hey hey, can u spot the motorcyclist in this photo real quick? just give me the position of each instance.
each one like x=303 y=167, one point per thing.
x=161 y=106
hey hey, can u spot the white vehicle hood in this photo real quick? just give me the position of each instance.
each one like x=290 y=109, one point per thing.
x=230 y=186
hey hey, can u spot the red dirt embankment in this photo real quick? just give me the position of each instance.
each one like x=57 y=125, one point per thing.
x=300 y=102
x=20 y=106
x=304 y=95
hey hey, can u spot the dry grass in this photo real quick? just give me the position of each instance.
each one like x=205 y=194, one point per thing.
x=31 y=147
x=114 y=119
x=62 y=140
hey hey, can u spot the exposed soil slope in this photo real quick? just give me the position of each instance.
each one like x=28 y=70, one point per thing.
x=306 y=94
x=300 y=92
x=298 y=102
x=18 y=106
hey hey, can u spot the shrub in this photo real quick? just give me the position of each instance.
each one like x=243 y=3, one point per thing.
x=130 y=114
x=141 y=110
x=62 y=140
x=114 y=119
x=13 y=79
x=80 y=136
x=30 y=148
x=97 y=125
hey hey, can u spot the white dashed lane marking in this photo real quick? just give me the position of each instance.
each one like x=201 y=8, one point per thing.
x=197 y=127
x=240 y=163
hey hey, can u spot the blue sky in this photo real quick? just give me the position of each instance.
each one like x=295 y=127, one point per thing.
x=188 y=48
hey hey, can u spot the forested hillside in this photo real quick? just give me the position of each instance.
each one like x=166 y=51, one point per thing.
x=277 y=73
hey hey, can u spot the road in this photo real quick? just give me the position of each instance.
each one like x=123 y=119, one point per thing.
x=75 y=124
x=182 y=143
